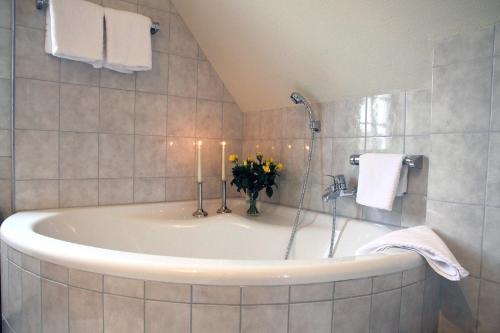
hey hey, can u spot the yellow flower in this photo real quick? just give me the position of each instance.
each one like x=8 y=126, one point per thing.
x=280 y=166
x=266 y=168
x=233 y=158
x=245 y=162
x=269 y=161
x=259 y=155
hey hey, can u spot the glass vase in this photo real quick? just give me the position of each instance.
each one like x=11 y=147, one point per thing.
x=252 y=208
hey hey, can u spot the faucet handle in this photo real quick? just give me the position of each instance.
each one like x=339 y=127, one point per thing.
x=339 y=182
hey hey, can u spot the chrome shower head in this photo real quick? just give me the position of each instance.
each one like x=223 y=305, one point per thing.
x=297 y=98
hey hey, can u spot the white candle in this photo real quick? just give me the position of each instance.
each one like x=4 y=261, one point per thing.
x=198 y=159
x=223 y=161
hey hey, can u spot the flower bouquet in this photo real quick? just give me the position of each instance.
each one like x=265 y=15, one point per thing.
x=252 y=176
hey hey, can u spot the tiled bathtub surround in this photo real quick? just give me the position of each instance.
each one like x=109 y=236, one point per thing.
x=463 y=202
x=460 y=137
x=395 y=123
x=87 y=137
x=42 y=296
x=5 y=108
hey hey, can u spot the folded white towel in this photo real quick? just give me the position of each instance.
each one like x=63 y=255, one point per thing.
x=75 y=30
x=128 y=41
x=425 y=242
x=379 y=180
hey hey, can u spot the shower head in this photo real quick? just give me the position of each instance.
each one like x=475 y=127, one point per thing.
x=297 y=98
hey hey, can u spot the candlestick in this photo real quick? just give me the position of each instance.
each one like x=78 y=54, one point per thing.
x=198 y=160
x=223 y=178
x=223 y=208
x=199 y=212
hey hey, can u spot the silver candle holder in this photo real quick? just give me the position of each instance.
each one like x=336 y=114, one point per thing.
x=200 y=212
x=223 y=208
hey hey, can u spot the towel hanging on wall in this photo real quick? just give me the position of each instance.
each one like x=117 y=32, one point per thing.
x=128 y=41
x=381 y=178
x=75 y=31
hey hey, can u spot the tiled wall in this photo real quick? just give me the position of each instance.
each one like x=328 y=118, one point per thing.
x=85 y=136
x=460 y=138
x=41 y=296
x=464 y=176
x=5 y=108
x=395 y=123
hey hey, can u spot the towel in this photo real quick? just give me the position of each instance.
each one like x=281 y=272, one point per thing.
x=75 y=31
x=381 y=178
x=425 y=242
x=403 y=181
x=128 y=41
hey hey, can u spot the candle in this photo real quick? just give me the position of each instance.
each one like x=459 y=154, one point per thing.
x=198 y=159
x=223 y=161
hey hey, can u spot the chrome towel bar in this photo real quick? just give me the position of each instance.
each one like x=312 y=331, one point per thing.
x=42 y=4
x=412 y=161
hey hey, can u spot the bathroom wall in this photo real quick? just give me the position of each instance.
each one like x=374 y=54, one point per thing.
x=464 y=176
x=5 y=108
x=461 y=141
x=86 y=136
x=397 y=123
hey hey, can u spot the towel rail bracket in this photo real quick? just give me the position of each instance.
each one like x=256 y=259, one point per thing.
x=412 y=161
x=42 y=4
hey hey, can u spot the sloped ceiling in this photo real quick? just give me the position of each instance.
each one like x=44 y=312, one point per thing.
x=327 y=49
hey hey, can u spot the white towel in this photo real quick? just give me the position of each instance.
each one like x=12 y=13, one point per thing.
x=381 y=178
x=128 y=41
x=75 y=31
x=403 y=181
x=425 y=242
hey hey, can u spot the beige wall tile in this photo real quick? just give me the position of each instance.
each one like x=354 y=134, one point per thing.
x=183 y=73
x=116 y=111
x=36 y=194
x=116 y=191
x=116 y=156
x=37 y=154
x=182 y=41
x=150 y=114
x=78 y=156
x=79 y=108
x=37 y=104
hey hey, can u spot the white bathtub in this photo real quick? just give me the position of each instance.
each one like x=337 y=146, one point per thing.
x=163 y=242
x=152 y=268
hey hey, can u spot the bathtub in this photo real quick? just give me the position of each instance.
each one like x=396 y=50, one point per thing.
x=151 y=267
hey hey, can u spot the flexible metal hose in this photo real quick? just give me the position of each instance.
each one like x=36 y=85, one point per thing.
x=332 y=237
x=301 y=201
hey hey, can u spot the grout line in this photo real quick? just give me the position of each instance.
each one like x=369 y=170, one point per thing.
x=289 y=307
x=133 y=139
x=12 y=108
x=333 y=309
x=481 y=259
x=191 y=308
x=400 y=306
x=121 y=89
x=102 y=298
x=241 y=307
x=144 y=305
x=462 y=62
x=59 y=150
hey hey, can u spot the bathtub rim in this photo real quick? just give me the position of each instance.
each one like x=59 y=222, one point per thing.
x=200 y=270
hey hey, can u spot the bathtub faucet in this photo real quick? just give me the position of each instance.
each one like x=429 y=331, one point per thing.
x=338 y=188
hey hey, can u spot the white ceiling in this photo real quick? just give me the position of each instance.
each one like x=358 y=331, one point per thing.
x=327 y=49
